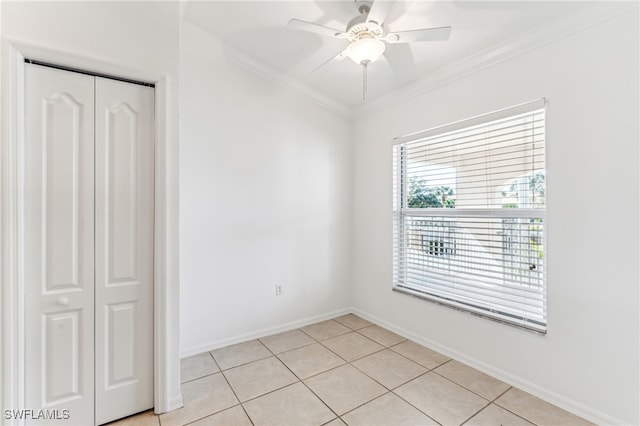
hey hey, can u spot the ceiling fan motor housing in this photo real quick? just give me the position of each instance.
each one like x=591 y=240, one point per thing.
x=358 y=28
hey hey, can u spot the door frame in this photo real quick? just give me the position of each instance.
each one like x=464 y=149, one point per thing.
x=167 y=396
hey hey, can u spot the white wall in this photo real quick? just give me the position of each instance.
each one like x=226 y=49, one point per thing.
x=265 y=191
x=136 y=40
x=265 y=187
x=588 y=361
x=140 y=35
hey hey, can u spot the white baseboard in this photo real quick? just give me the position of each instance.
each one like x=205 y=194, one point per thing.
x=565 y=403
x=579 y=409
x=209 y=346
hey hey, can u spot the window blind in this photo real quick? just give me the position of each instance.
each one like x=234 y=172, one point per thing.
x=469 y=215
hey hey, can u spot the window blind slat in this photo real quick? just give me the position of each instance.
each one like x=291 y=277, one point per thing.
x=469 y=216
x=525 y=108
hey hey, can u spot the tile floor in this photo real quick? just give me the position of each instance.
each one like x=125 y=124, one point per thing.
x=345 y=371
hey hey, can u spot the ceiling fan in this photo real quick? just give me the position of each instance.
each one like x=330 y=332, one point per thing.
x=368 y=36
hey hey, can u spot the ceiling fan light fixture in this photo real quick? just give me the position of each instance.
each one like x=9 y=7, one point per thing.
x=365 y=50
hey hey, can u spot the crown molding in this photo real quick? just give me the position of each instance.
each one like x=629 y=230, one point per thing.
x=270 y=74
x=518 y=45
x=274 y=76
x=588 y=16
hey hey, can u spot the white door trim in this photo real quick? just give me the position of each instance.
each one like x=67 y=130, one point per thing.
x=167 y=394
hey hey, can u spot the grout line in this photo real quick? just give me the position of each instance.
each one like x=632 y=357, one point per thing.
x=193 y=380
x=285 y=365
x=416 y=362
x=387 y=392
x=493 y=402
x=334 y=368
x=216 y=413
x=292 y=349
x=404 y=339
x=239 y=365
x=391 y=389
x=466 y=388
x=426 y=414
x=231 y=387
x=306 y=333
x=305 y=385
x=502 y=393
x=508 y=410
x=330 y=337
x=476 y=413
x=321 y=400
x=271 y=391
x=354 y=329
x=346 y=360
x=326 y=371
x=351 y=363
x=200 y=377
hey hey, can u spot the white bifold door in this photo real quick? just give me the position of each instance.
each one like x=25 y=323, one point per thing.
x=88 y=246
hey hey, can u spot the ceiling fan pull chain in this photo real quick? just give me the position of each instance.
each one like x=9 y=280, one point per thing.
x=364 y=81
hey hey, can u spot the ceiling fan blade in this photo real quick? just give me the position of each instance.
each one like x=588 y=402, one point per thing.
x=337 y=58
x=379 y=11
x=400 y=59
x=297 y=24
x=426 y=34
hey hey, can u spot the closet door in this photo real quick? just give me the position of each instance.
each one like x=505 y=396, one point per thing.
x=59 y=244
x=124 y=249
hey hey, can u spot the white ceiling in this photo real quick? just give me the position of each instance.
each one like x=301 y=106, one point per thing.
x=258 y=29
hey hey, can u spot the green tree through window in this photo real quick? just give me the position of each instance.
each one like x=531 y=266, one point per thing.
x=421 y=195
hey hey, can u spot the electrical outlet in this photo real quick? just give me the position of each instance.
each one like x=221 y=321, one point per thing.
x=278 y=289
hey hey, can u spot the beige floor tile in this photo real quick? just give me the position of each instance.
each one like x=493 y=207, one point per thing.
x=472 y=379
x=450 y=394
x=335 y=422
x=389 y=409
x=242 y=353
x=354 y=322
x=418 y=353
x=234 y=416
x=536 y=410
x=197 y=366
x=147 y=418
x=445 y=402
x=381 y=335
x=344 y=388
x=310 y=360
x=259 y=377
x=493 y=415
x=389 y=368
x=286 y=341
x=201 y=397
x=325 y=330
x=352 y=346
x=294 y=405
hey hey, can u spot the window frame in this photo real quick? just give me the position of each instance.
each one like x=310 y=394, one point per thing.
x=401 y=211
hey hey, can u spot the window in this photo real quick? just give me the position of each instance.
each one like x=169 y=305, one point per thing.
x=469 y=214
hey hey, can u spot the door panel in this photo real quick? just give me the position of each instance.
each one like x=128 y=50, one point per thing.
x=124 y=249
x=59 y=244
x=60 y=190
x=61 y=352
x=120 y=146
